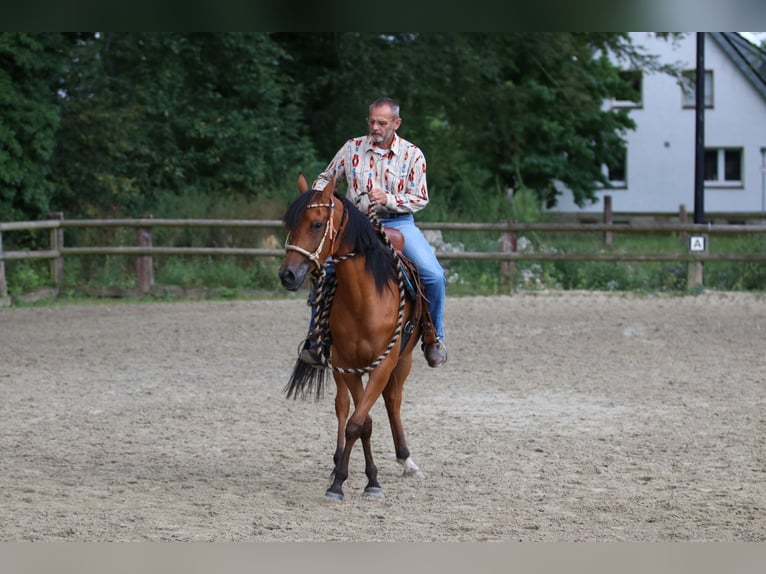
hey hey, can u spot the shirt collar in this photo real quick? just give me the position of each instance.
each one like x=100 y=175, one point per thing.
x=370 y=145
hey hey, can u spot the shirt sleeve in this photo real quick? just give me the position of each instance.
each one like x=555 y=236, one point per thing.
x=411 y=193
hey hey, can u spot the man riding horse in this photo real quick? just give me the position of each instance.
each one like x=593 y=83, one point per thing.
x=387 y=174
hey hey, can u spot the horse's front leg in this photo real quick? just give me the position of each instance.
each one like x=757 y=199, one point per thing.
x=373 y=489
x=355 y=431
x=359 y=425
x=348 y=386
x=342 y=407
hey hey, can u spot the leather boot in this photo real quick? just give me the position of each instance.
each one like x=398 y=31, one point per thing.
x=436 y=353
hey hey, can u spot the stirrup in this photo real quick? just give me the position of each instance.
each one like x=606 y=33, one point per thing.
x=309 y=354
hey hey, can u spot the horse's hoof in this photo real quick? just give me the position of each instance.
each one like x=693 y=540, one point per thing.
x=374 y=492
x=410 y=468
x=333 y=495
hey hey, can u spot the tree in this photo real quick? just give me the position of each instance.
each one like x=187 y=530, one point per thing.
x=146 y=114
x=29 y=64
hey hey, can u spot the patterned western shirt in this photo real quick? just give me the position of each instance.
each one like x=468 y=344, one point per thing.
x=400 y=172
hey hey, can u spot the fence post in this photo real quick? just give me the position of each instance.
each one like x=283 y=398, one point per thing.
x=694 y=279
x=57 y=243
x=608 y=218
x=697 y=244
x=507 y=268
x=144 y=267
x=4 y=300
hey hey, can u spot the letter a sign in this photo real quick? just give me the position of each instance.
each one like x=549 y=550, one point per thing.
x=697 y=243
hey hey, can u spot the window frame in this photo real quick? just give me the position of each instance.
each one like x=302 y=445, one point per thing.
x=720 y=182
x=689 y=93
x=617 y=183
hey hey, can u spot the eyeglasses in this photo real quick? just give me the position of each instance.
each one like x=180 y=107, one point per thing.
x=383 y=124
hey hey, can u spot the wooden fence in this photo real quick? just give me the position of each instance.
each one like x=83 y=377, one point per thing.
x=694 y=256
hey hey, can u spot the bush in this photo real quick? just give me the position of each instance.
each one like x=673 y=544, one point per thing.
x=27 y=275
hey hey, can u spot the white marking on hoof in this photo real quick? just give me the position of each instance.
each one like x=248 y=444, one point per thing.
x=410 y=468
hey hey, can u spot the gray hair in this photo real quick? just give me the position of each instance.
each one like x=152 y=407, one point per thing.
x=391 y=103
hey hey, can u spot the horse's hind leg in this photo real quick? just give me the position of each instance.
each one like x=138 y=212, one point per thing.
x=392 y=396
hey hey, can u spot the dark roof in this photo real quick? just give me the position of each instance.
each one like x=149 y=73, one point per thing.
x=749 y=58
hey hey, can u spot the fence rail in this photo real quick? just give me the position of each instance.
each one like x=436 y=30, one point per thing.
x=144 y=248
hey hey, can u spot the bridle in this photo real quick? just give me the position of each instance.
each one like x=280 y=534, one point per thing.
x=329 y=231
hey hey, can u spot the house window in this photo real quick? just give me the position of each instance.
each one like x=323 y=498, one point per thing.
x=616 y=171
x=631 y=95
x=723 y=167
x=689 y=89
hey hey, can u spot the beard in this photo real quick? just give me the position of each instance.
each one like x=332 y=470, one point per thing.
x=381 y=136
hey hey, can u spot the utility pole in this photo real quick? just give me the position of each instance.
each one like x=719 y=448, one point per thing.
x=699 y=133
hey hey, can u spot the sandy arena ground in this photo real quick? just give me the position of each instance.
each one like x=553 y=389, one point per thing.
x=559 y=417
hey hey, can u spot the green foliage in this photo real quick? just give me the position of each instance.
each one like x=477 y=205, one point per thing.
x=151 y=113
x=617 y=275
x=202 y=272
x=219 y=272
x=29 y=118
x=25 y=276
x=739 y=275
x=526 y=206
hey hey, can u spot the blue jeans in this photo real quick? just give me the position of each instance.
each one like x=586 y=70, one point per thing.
x=418 y=250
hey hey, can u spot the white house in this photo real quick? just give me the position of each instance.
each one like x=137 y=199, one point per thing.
x=658 y=173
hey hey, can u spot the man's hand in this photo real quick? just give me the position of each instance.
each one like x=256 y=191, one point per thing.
x=378 y=196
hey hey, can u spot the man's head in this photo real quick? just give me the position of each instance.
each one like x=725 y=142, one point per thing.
x=383 y=121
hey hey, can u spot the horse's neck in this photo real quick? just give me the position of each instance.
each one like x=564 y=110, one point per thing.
x=356 y=286
x=352 y=276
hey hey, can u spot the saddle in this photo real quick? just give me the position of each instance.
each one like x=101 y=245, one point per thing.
x=414 y=289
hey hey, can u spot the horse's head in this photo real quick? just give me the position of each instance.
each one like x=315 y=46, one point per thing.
x=312 y=222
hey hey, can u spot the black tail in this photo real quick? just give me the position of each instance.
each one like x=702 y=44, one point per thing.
x=305 y=380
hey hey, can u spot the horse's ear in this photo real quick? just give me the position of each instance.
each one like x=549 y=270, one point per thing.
x=303 y=185
x=330 y=187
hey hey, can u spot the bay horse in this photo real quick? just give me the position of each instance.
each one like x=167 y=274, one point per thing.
x=368 y=323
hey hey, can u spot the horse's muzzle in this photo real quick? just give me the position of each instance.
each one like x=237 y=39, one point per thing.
x=292 y=277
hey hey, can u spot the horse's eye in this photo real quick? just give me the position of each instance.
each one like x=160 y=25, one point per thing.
x=317 y=226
